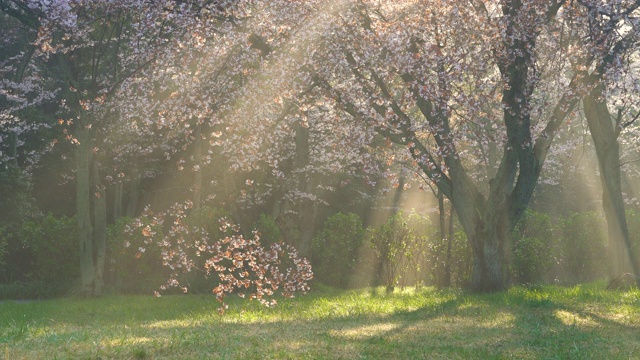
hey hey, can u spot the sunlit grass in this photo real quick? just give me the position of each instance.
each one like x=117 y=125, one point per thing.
x=582 y=322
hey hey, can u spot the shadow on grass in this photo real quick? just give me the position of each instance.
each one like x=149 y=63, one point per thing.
x=520 y=324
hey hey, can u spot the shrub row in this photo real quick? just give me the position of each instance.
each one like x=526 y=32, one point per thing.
x=39 y=258
x=408 y=251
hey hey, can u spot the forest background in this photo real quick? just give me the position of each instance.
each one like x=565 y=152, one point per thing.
x=476 y=144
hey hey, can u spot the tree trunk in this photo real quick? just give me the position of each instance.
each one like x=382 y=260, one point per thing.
x=488 y=270
x=100 y=230
x=444 y=278
x=13 y=140
x=307 y=209
x=486 y=223
x=133 y=195
x=604 y=135
x=447 y=268
x=117 y=200
x=197 y=178
x=487 y=238
x=83 y=207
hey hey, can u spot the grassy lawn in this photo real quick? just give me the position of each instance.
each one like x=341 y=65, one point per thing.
x=582 y=322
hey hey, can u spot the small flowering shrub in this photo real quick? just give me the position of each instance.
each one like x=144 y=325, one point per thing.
x=237 y=264
x=246 y=267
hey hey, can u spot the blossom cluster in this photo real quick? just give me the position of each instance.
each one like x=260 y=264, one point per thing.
x=242 y=265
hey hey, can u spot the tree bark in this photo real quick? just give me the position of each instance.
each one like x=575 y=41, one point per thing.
x=445 y=278
x=83 y=205
x=487 y=233
x=133 y=195
x=604 y=134
x=100 y=230
x=117 y=200
x=447 y=270
x=307 y=209
x=197 y=178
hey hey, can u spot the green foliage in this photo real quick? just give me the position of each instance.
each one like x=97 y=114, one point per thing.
x=584 y=251
x=207 y=218
x=533 y=248
x=415 y=270
x=16 y=204
x=34 y=289
x=16 y=208
x=390 y=242
x=268 y=229
x=54 y=244
x=16 y=257
x=452 y=255
x=335 y=249
x=568 y=250
x=39 y=257
x=531 y=260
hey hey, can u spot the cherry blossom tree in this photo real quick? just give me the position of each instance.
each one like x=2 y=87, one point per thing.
x=422 y=73
x=23 y=92
x=92 y=47
x=296 y=96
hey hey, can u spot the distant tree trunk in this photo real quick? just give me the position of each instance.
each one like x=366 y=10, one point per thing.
x=604 y=133
x=100 y=230
x=13 y=140
x=83 y=207
x=307 y=209
x=133 y=194
x=197 y=178
x=117 y=200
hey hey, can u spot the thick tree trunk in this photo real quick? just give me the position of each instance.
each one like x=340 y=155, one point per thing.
x=445 y=277
x=488 y=238
x=604 y=135
x=488 y=270
x=100 y=230
x=83 y=207
x=447 y=269
x=486 y=223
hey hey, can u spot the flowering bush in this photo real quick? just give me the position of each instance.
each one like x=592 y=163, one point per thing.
x=242 y=265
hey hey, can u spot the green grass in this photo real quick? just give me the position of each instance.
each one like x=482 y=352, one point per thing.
x=582 y=322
